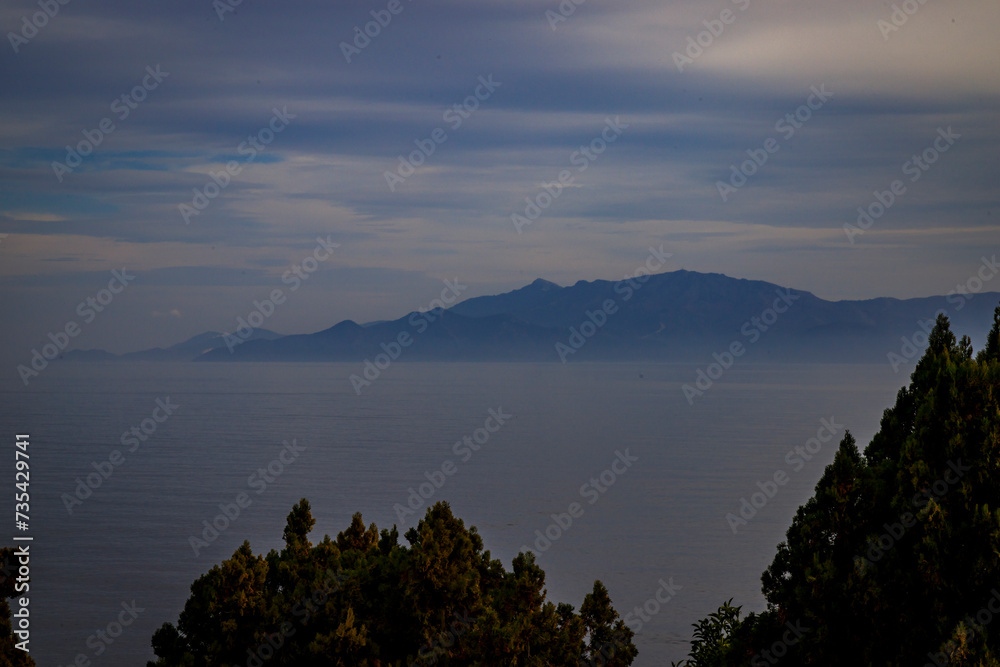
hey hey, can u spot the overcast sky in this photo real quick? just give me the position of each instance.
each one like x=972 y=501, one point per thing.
x=553 y=86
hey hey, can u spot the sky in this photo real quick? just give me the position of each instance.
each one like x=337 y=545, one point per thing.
x=626 y=123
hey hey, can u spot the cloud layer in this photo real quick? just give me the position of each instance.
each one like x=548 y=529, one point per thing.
x=749 y=67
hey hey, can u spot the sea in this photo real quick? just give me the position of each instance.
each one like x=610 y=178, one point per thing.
x=608 y=471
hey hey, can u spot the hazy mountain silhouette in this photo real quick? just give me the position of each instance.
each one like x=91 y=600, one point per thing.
x=186 y=351
x=676 y=316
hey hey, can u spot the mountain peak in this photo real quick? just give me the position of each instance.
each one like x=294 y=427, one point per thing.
x=541 y=283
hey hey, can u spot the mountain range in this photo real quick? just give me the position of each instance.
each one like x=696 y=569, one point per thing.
x=674 y=316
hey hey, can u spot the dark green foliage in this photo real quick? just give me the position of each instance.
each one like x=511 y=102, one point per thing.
x=898 y=550
x=992 y=349
x=714 y=637
x=363 y=599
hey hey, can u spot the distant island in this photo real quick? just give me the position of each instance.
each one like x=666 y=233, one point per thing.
x=893 y=561
x=674 y=316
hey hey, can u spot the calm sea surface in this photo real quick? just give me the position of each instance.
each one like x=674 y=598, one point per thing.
x=664 y=517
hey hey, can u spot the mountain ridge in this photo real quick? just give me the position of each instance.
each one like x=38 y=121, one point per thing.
x=673 y=316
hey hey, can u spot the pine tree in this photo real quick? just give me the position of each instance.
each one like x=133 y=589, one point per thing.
x=898 y=550
x=363 y=599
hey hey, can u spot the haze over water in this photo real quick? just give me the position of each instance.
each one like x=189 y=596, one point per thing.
x=664 y=517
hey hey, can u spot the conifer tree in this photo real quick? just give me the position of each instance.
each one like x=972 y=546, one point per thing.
x=363 y=599
x=897 y=555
